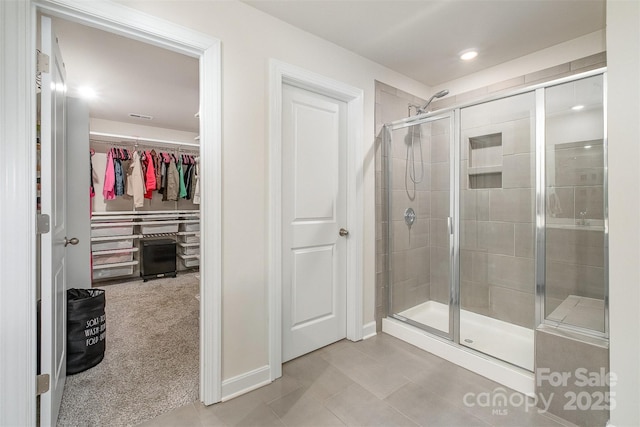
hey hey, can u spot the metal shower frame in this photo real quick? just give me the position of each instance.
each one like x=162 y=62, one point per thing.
x=453 y=114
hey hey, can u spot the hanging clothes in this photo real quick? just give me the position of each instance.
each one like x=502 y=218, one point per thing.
x=143 y=166
x=108 y=189
x=158 y=169
x=192 y=183
x=163 y=177
x=196 y=176
x=92 y=189
x=172 y=187
x=138 y=173
x=188 y=181
x=150 y=176
x=183 y=190
x=119 y=176
x=135 y=181
x=166 y=160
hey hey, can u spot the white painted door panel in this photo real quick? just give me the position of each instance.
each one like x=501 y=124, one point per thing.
x=78 y=203
x=314 y=195
x=54 y=204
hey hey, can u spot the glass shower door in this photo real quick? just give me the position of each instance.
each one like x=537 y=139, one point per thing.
x=576 y=212
x=497 y=228
x=419 y=159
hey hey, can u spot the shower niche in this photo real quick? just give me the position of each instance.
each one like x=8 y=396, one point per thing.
x=510 y=234
x=485 y=161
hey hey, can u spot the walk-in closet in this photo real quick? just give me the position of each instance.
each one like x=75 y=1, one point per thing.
x=132 y=185
x=145 y=219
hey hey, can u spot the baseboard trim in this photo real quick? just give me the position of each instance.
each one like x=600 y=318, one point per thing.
x=369 y=330
x=244 y=383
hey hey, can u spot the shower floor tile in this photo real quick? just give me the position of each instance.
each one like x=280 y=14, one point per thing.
x=580 y=311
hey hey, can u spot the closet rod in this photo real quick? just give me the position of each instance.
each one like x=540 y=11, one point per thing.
x=192 y=151
x=141 y=139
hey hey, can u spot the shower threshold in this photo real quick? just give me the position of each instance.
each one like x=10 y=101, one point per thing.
x=498 y=341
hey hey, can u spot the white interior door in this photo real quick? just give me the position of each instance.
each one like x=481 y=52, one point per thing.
x=78 y=203
x=314 y=270
x=53 y=199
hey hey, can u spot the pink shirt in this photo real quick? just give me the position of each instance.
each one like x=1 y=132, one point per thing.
x=108 y=190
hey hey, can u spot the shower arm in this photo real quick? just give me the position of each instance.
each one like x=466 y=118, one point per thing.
x=423 y=109
x=416 y=107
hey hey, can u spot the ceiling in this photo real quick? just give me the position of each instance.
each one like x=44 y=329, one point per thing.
x=130 y=77
x=417 y=38
x=422 y=38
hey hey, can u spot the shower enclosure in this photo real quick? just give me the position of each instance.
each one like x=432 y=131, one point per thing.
x=497 y=219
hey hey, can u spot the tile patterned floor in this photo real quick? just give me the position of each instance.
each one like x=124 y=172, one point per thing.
x=378 y=382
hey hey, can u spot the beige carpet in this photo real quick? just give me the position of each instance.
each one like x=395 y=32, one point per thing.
x=151 y=359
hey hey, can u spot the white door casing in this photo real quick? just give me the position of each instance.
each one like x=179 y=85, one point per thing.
x=280 y=74
x=54 y=204
x=122 y=20
x=17 y=210
x=18 y=112
x=313 y=211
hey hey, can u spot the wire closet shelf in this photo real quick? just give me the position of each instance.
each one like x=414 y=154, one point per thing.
x=127 y=141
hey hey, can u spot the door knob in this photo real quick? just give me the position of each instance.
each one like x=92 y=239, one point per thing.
x=72 y=241
x=343 y=232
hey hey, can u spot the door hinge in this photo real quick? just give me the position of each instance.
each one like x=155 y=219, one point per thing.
x=43 y=224
x=42 y=384
x=43 y=62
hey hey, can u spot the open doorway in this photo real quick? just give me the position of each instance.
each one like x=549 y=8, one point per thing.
x=115 y=230
x=19 y=262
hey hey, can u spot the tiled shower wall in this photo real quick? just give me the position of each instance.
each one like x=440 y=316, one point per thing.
x=512 y=298
x=497 y=210
x=392 y=104
x=440 y=168
x=420 y=252
x=410 y=245
x=575 y=264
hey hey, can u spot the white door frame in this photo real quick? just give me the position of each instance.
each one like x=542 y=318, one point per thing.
x=17 y=183
x=281 y=73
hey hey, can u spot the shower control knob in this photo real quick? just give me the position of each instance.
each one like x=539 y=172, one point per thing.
x=409 y=216
x=343 y=232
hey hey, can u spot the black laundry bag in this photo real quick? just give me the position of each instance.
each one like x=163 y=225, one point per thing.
x=86 y=329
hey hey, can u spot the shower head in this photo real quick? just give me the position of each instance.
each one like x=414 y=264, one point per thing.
x=440 y=94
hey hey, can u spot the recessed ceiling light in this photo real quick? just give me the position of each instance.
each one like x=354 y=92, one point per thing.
x=468 y=55
x=577 y=107
x=87 y=92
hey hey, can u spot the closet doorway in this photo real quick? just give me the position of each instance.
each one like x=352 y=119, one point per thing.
x=124 y=233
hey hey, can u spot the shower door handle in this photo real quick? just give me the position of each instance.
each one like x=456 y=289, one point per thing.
x=450 y=224
x=72 y=241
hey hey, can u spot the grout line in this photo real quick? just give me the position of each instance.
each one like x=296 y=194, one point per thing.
x=344 y=421
x=276 y=415
x=300 y=386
